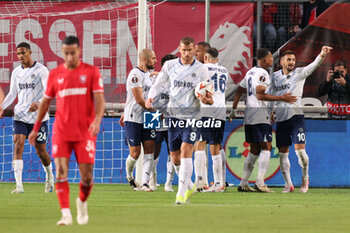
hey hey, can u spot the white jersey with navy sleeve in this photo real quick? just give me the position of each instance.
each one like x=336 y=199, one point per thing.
x=256 y=111
x=133 y=112
x=181 y=80
x=28 y=84
x=293 y=83
x=218 y=77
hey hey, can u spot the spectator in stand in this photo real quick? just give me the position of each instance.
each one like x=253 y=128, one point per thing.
x=268 y=29
x=311 y=10
x=287 y=19
x=337 y=87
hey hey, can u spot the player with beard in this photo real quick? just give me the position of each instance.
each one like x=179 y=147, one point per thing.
x=182 y=76
x=290 y=117
x=138 y=85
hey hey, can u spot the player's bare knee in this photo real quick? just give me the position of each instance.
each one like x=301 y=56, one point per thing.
x=86 y=179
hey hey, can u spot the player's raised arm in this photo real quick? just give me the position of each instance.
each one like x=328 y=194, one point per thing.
x=309 y=69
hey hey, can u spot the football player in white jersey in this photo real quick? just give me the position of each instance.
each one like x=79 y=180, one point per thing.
x=28 y=83
x=162 y=135
x=201 y=161
x=137 y=86
x=182 y=75
x=218 y=76
x=290 y=117
x=257 y=125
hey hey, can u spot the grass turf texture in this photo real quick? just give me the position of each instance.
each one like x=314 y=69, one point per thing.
x=116 y=208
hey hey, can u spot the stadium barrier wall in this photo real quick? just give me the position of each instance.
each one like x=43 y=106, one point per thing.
x=327 y=146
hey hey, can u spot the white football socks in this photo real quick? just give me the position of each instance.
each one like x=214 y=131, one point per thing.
x=285 y=167
x=147 y=166
x=129 y=167
x=18 y=169
x=170 y=171
x=248 y=167
x=217 y=169
x=263 y=165
x=186 y=169
x=199 y=164
x=303 y=160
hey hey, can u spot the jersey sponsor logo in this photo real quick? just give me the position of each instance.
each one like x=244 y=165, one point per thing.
x=151 y=120
x=237 y=150
x=134 y=79
x=183 y=84
x=60 y=80
x=282 y=87
x=72 y=91
x=82 y=78
x=23 y=86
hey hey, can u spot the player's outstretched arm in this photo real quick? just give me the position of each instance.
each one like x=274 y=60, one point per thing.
x=309 y=69
x=261 y=95
x=43 y=108
x=99 y=112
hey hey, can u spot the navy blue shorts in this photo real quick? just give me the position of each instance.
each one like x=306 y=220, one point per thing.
x=161 y=136
x=179 y=134
x=19 y=127
x=291 y=130
x=258 y=133
x=135 y=134
x=212 y=135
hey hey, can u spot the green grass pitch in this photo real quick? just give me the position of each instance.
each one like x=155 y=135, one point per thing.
x=116 y=208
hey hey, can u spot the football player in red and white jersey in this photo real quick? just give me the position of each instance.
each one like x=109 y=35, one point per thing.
x=78 y=89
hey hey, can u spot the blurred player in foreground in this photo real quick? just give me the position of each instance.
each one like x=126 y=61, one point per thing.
x=80 y=104
x=290 y=116
x=28 y=83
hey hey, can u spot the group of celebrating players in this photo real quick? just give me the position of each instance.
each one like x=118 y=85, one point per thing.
x=171 y=92
x=78 y=89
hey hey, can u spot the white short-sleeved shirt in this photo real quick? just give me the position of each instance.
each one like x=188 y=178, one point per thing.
x=256 y=111
x=218 y=77
x=133 y=112
x=28 y=84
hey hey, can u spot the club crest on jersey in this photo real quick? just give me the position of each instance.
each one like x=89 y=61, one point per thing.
x=262 y=79
x=193 y=75
x=82 y=78
x=33 y=76
x=60 y=80
x=134 y=80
